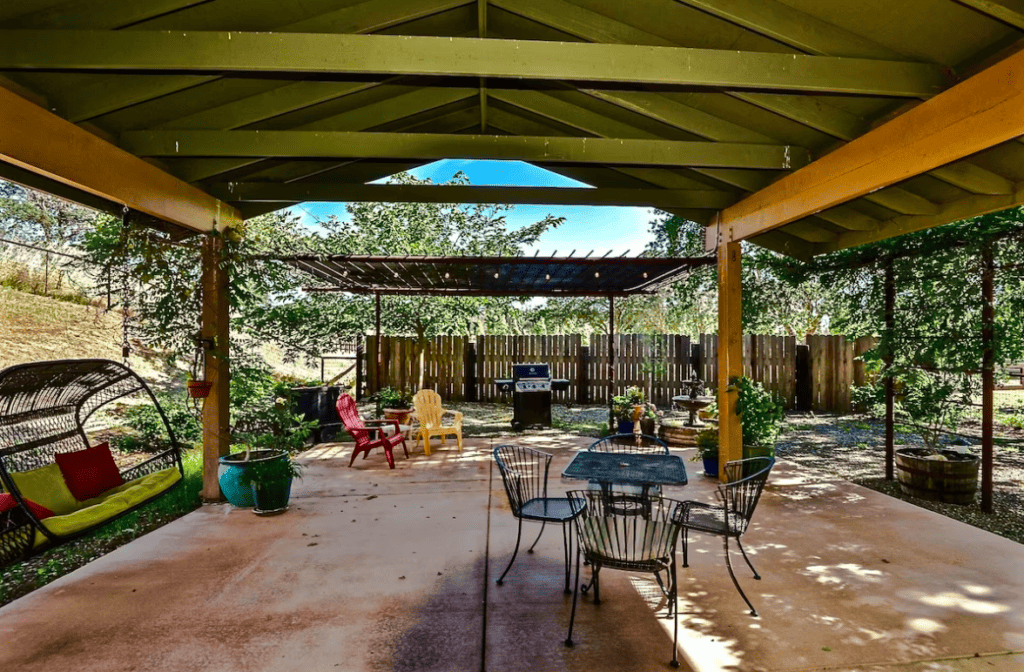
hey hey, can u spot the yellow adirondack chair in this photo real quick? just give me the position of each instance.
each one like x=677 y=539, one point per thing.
x=429 y=413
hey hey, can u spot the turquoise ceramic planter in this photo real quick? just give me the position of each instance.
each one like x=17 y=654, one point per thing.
x=229 y=474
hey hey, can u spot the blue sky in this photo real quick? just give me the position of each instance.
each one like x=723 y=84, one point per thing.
x=586 y=228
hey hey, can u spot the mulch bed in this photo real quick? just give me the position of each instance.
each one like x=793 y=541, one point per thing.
x=853 y=448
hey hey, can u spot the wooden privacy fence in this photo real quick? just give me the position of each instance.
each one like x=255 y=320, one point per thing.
x=817 y=375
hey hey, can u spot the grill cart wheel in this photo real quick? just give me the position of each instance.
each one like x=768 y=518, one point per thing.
x=517 y=426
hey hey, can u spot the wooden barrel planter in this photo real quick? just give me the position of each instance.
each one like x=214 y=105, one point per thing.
x=953 y=480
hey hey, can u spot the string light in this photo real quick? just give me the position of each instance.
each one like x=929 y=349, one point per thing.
x=597 y=274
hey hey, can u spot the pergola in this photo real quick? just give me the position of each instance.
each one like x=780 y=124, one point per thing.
x=801 y=126
x=496 y=276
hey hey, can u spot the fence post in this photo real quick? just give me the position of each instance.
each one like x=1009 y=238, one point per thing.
x=359 y=370
x=583 y=379
x=469 y=367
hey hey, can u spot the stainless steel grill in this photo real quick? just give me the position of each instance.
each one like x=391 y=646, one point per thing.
x=531 y=386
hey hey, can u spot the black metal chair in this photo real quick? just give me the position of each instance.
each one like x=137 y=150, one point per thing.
x=524 y=473
x=629 y=497
x=611 y=539
x=740 y=493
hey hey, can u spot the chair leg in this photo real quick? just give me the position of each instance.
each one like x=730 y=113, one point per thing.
x=728 y=563
x=459 y=436
x=596 y=583
x=674 y=606
x=390 y=457
x=426 y=444
x=749 y=564
x=355 y=454
x=543 y=523
x=519 y=535
x=567 y=543
x=405 y=448
x=575 y=595
x=686 y=541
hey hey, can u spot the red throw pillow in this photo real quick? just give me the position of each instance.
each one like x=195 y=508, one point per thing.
x=7 y=502
x=89 y=472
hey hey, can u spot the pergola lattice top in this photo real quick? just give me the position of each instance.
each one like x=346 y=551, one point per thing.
x=495 y=276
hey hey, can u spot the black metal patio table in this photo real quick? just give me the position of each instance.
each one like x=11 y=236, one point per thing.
x=627 y=469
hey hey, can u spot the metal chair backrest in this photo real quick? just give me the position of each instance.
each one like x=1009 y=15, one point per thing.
x=630 y=443
x=428 y=408
x=622 y=540
x=524 y=472
x=740 y=493
x=349 y=414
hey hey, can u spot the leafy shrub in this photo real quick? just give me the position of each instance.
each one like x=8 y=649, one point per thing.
x=707 y=444
x=148 y=432
x=264 y=414
x=389 y=397
x=760 y=413
x=622 y=404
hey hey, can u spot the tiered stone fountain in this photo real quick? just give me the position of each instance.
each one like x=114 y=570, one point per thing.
x=684 y=433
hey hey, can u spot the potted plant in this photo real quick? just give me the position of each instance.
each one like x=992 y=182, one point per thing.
x=707 y=451
x=396 y=404
x=760 y=417
x=199 y=389
x=626 y=406
x=271 y=483
x=934 y=402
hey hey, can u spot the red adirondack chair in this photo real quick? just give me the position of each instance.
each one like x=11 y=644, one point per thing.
x=368 y=438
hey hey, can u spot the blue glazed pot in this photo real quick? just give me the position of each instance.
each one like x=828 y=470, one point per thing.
x=710 y=466
x=625 y=426
x=229 y=474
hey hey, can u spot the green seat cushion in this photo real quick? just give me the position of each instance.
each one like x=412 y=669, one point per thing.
x=46 y=486
x=111 y=503
x=141 y=488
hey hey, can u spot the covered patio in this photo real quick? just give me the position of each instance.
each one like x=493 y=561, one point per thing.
x=375 y=569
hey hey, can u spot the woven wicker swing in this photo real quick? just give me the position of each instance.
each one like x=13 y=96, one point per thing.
x=47 y=408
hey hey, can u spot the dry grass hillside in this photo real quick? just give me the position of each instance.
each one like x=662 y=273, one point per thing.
x=34 y=328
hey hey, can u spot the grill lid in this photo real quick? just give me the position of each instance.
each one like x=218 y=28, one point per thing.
x=521 y=371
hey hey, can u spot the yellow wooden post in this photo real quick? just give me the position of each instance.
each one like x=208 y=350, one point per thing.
x=214 y=332
x=730 y=352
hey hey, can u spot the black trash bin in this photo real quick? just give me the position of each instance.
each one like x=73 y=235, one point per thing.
x=319 y=403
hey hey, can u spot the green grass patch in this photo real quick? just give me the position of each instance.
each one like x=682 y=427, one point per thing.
x=21 y=578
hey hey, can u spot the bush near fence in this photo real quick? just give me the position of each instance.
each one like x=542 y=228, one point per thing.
x=815 y=375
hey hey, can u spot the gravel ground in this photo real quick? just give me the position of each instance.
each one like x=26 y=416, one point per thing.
x=854 y=449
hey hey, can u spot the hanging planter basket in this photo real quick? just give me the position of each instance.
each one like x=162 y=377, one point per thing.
x=199 y=389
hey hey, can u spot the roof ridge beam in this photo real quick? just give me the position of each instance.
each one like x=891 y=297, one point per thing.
x=309 y=144
x=218 y=51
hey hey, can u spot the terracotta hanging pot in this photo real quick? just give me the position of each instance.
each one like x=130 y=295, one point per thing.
x=199 y=389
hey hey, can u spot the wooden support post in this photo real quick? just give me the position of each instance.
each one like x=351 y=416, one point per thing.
x=890 y=384
x=730 y=353
x=611 y=361
x=987 y=373
x=376 y=330
x=214 y=333
x=583 y=379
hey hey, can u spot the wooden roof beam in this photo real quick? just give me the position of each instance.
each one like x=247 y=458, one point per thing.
x=39 y=141
x=977 y=114
x=403 y=193
x=328 y=144
x=311 y=53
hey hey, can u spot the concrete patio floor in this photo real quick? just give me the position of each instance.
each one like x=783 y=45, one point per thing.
x=385 y=570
